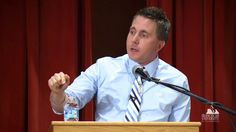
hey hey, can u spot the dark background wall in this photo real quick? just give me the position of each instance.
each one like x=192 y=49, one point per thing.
x=111 y=22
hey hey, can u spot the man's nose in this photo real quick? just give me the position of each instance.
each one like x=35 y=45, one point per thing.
x=135 y=39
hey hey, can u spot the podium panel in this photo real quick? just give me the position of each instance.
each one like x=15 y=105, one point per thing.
x=84 y=126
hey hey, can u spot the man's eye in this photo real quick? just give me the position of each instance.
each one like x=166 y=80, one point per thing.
x=143 y=35
x=131 y=32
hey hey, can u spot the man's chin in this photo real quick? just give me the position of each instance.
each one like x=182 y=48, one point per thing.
x=133 y=58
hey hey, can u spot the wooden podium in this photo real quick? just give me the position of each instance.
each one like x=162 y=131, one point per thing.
x=82 y=126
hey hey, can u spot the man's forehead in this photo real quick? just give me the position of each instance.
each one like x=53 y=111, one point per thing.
x=143 y=24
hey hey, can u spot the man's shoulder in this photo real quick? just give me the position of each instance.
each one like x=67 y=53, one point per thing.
x=170 y=74
x=166 y=68
x=112 y=60
x=108 y=63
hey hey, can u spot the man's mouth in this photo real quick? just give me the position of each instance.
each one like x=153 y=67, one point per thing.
x=134 y=49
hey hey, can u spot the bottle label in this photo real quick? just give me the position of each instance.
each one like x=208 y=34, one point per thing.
x=71 y=115
x=71 y=110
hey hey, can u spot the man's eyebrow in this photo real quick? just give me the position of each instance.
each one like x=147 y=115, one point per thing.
x=144 y=31
x=132 y=27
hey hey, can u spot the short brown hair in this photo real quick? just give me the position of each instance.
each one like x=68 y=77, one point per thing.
x=157 y=15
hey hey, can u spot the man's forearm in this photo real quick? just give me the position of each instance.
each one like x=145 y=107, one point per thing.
x=58 y=101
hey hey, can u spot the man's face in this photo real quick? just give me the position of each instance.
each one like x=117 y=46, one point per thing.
x=142 y=44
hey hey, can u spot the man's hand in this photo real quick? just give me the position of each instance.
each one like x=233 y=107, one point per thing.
x=58 y=82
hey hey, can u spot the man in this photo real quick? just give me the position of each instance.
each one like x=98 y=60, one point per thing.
x=111 y=79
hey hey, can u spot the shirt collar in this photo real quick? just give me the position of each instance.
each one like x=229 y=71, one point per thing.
x=151 y=67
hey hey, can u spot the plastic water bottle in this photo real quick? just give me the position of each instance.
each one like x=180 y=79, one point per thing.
x=71 y=110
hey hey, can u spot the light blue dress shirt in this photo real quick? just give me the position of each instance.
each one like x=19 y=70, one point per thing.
x=110 y=81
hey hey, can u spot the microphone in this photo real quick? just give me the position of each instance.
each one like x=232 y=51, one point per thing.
x=138 y=70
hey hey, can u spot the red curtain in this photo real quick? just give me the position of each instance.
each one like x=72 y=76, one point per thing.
x=41 y=37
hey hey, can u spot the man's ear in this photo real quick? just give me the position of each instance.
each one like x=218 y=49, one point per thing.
x=161 y=44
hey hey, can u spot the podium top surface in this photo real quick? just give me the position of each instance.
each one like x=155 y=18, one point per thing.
x=93 y=123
